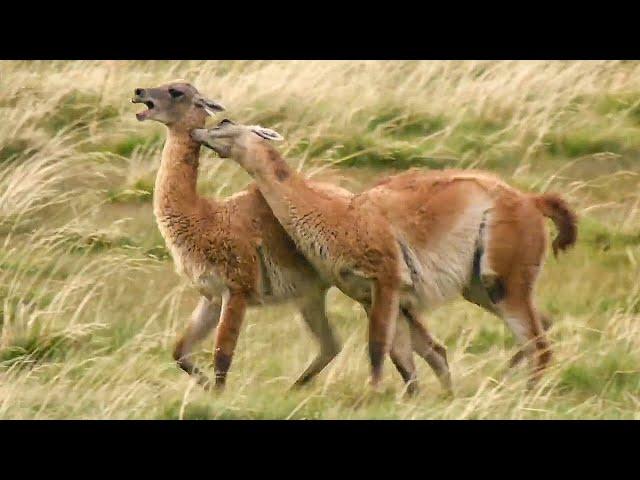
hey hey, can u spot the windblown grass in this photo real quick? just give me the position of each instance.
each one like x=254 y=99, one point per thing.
x=90 y=305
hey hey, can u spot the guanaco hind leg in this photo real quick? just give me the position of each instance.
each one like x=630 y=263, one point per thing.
x=427 y=347
x=522 y=318
x=203 y=320
x=510 y=253
x=516 y=307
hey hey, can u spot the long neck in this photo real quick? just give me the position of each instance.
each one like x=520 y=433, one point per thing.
x=288 y=193
x=175 y=188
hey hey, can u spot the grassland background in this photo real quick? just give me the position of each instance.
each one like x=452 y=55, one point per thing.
x=90 y=305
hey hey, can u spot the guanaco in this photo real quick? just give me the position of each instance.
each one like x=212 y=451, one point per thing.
x=234 y=251
x=414 y=241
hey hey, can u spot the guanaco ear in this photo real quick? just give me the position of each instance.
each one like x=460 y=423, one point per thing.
x=266 y=133
x=209 y=106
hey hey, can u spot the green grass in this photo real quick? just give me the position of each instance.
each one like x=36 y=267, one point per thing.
x=90 y=305
x=140 y=191
x=12 y=148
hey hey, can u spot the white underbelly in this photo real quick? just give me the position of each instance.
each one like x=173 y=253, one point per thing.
x=440 y=273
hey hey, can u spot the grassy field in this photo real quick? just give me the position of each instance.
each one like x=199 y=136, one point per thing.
x=90 y=304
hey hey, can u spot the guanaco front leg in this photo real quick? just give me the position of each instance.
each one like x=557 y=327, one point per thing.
x=402 y=356
x=203 y=320
x=382 y=322
x=427 y=347
x=401 y=353
x=234 y=305
x=315 y=316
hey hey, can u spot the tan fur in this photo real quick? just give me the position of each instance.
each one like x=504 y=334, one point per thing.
x=556 y=209
x=216 y=244
x=444 y=216
x=234 y=252
x=410 y=242
x=344 y=240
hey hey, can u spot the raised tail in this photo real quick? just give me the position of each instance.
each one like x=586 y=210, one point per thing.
x=555 y=208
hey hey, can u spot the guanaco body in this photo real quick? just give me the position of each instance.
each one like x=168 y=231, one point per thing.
x=415 y=240
x=234 y=252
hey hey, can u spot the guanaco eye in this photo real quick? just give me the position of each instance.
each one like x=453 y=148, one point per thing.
x=175 y=93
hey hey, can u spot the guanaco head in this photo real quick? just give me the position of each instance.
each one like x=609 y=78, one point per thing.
x=175 y=104
x=230 y=139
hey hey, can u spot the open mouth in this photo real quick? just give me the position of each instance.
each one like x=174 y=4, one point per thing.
x=145 y=113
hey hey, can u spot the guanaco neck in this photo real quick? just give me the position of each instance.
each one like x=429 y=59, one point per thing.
x=175 y=189
x=284 y=189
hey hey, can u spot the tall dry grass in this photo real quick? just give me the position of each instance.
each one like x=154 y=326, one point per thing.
x=90 y=306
